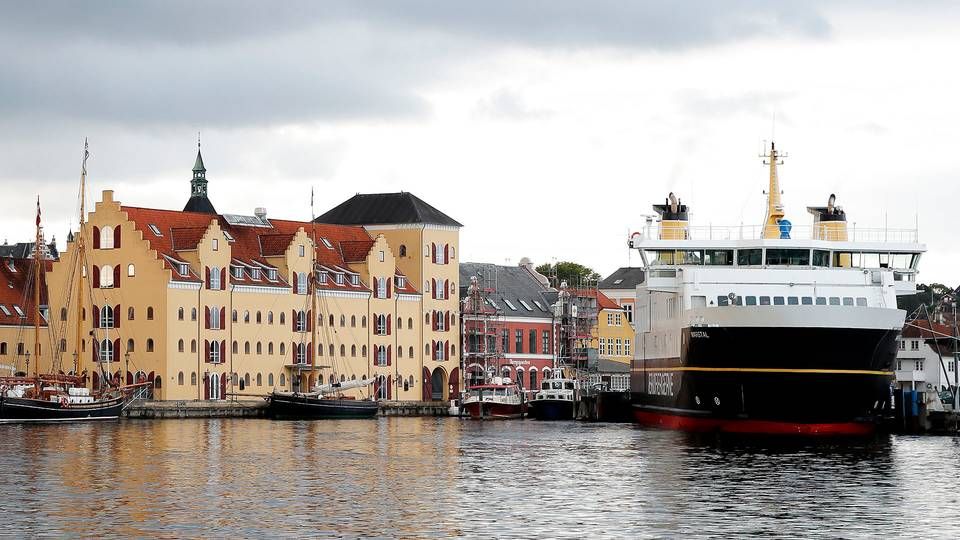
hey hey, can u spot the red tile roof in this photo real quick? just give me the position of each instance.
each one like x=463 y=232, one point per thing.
x=251 y=246
x=16 y=289
x=603 y=301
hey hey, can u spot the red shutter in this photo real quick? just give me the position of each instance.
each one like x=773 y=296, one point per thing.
x=388 y=324
x=206 y=387
x=446 y=320
x=389 y=287
x=310 y=353
x=446 y=253
x=293 y=352
x=96 y=277
x=223 y=278
x=96 y=316
x=433 y=350
x=446 y=288
x=130 y=378
x=223 y=318
x=293 y=320
x=116 y=276
x=433 y=252
x=223 y=387
x=116 y=237
x=116 y=316
x=446 y=350
x=206 y=351
x=206 y=276
x=116 y=350
x=223 y=350
x=436 y=320
x=206 y=317
x=389 y=384
x=96 y=238
x=389 y=350
x=96 y=350
x=309 y=320
x=433 y=288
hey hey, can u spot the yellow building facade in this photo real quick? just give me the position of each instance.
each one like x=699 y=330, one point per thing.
x=207 y=305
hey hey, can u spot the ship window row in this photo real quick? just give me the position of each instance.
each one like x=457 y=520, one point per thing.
x=749 y=300
x=781 y=257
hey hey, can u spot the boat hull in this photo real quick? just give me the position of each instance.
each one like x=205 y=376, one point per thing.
x=806 y=381
x=14 y=409
x=551 y=409
x=491 y=410
x=310 y=407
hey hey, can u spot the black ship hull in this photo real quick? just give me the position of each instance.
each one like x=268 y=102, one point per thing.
x=808 y=381
x=298 y=406
x=14 y=409
x=551 y=409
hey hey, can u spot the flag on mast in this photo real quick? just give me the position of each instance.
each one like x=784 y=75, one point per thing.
x=38 y=210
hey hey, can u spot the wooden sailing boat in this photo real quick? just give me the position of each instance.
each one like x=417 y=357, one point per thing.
x=55 y=396
x=325 y=400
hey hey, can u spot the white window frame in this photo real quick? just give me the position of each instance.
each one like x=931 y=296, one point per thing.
x=301 y=282
x=215 y=352
x=105 y=353
x=381 y=287
x=301 y=323
x=107 y=317
x=215 y=318
x=106 y=238
x=214 y=277
x=106 y=277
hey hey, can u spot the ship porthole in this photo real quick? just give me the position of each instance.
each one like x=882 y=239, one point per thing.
x=716 y=400
x=696 y=399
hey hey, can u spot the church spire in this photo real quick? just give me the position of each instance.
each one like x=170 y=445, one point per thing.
x=198 y=186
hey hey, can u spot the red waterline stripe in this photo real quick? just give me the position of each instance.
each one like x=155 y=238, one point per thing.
x=764 y=427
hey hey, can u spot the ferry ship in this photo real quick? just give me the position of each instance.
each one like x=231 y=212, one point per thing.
x=768 y=329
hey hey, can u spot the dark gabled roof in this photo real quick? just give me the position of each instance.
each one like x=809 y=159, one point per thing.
x=605 y=365
x=24 y=250
x=623 y=278
x=198 y=164
x=385 y=208
x=513 y=283
x=200 y=204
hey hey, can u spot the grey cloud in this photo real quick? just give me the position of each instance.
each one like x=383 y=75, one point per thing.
x=510 y=105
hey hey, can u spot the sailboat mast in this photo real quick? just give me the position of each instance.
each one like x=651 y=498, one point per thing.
x=81 y=257
x=38 y=262
x=312 y=289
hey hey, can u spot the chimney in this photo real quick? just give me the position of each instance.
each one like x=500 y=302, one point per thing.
x=260 y=212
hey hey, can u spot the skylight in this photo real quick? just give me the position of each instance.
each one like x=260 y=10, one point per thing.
x=229 y=236
x=539 y=305
x=509 y=304
x=526 y=305
x=617 y=282
x=155 y=230
x=326 y=242
x=492 y=303
x=18 y=310
x=5 y=310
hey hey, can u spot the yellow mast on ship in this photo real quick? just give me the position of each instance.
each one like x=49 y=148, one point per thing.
x=771 y=225
x=77 y=360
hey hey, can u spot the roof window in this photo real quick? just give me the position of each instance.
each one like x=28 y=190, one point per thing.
x=526 y=305
x=184 y=269
x=492 y=303
x=323 y=277
x=255 y=273
x=155 y=230
x=354 y=279
x=618 y=281
x=539 y=305
x=6 y=311
x=401 y=281
x=237 y=272
x=326 y=242
x=229 y=236
x=272 y=274
x=510 y=304
x=338 y=278
x=18 y=310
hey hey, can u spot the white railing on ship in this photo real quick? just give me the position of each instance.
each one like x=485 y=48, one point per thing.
x=755 y=232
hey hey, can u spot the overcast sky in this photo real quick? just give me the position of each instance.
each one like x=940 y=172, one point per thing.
x=547 y=127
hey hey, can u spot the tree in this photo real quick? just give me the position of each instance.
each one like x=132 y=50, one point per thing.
x=575 y=274
x=932 y=295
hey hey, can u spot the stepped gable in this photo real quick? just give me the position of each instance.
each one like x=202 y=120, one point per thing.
x=16 y=289
x=386 y=208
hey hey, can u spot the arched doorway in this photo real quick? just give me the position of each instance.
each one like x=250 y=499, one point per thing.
x=215 y=386
x=438 y=384
x=455 y=383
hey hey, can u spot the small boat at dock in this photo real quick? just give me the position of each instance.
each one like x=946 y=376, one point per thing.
x=498 y=400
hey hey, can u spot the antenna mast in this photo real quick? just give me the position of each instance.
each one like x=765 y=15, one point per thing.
x=771 y=224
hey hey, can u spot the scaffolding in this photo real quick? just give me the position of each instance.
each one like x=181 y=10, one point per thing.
x=482 y=331
x=575 y=314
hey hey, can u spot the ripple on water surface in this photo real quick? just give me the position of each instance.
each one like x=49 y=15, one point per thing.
x=447 y=477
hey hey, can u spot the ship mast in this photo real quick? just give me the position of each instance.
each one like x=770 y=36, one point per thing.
x=38 y=262
x=771 y=224
x=81 y=257
x=312 y=290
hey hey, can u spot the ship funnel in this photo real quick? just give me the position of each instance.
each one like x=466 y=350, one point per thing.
x=674 y=223
x=829 y=222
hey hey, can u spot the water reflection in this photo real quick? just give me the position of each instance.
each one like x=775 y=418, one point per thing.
x=447 y=477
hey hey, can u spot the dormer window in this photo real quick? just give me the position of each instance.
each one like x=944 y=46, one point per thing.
x=400 y=281
x=237 y=272
x=338 y=277
x=323 y=277
x=272 y=274
x=183 y=268
x=255 y=273
x=354 y=280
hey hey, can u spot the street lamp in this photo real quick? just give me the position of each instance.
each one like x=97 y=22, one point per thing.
x=126 y=358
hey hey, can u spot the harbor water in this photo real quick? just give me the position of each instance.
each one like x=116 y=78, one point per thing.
x=443 y=477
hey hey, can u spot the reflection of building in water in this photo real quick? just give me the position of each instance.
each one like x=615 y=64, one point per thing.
x=203 y=304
